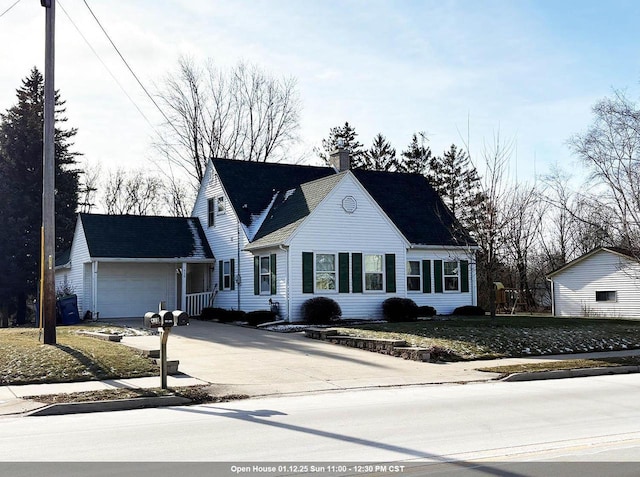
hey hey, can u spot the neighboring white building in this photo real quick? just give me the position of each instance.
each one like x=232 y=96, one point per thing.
x=604 y=282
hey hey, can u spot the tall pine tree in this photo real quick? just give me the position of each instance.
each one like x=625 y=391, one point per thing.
x=417 y=157
x=21 y=129
x=348 y=135
x=381 y=156
x=458 y=183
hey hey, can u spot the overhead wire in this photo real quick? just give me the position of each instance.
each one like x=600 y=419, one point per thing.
x=7 y=10
x=153 y=128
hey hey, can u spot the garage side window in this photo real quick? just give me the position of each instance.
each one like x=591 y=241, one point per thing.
x=606 y=296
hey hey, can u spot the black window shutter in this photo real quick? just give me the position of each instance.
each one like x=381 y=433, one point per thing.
x=232 y=273
x=343 y=273
x=274 y=283
x=437 y=276
x=220 y=275
x=307 y=272
x=464 y=276
x=356 y=272
x=256 y=275
x=390 y=268
x=426 y=276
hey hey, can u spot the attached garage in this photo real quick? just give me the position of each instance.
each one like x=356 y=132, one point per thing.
x=121 y=266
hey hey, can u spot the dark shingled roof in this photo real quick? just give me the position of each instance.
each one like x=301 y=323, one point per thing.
x=252 y=185
x=133 y=236
x=407 y=199
x=414 y=207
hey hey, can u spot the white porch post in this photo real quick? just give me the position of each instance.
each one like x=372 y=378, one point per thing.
x=94 y=287
x=183 y=298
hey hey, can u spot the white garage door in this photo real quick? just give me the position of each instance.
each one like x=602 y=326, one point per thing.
x=132 y=289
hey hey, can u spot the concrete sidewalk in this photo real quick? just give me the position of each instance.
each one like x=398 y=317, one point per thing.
x=247 y=361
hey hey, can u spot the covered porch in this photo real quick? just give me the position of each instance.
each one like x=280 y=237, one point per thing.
x=195 y=287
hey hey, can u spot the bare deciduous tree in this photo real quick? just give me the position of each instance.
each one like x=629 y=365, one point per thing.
x=610 y=149
x=135 y=193
x=241 y=113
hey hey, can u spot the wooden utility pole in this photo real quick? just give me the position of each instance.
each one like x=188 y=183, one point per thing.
x=48 y=299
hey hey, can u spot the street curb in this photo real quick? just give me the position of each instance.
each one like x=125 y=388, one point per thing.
x=571 y=373
x=60 y=409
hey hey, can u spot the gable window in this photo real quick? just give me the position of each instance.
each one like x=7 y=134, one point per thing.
x=210 y=213
x=325 y=272
x=220 y=206
x=374 y=272
x=451 y=278
x=414 y=276
x=606 y=296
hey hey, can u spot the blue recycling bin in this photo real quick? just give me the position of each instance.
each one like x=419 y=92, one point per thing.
x=67 y=308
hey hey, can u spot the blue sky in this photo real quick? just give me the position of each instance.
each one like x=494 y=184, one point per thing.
x=455 y=69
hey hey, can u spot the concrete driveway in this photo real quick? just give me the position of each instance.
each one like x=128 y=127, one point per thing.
x=258 y=362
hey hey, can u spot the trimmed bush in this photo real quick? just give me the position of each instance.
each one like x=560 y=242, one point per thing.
x=210 y=314
x=398 y=309
x=222 y=315
x=255 y=318
x=320 y=310
x=469 y=310
x=426 y=311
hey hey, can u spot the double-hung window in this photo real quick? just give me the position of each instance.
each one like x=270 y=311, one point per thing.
x=414 y=276
x=451 y=276
x=374 y=272
x=220 y=205
x=265 y=275
x=325 y=272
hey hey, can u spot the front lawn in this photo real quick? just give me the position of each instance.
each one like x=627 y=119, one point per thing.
x=25 y=360
x=469 y=338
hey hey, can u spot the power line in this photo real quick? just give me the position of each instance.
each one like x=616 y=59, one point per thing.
x=105 y=66
x=130 y=69
x=7 y=10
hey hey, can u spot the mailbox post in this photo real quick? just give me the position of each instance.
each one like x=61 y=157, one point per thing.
x=166 y=320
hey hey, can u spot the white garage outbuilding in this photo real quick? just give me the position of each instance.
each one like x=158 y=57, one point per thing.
x=602 y=283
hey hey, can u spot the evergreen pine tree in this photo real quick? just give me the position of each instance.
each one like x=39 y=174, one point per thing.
x=458 y=183
x=417 y=157
x=348 y=135
x=381 y=156
x=21 y=148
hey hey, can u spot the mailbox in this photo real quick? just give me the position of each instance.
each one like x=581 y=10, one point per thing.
x=166 y=318
x=180 y=318
x=152 y=320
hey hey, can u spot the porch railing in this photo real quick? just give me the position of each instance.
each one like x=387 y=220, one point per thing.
x=197 y=301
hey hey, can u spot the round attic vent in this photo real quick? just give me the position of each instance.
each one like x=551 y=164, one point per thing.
x=349 y=204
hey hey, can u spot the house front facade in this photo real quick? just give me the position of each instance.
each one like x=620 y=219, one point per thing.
x=283 y=234
x=602 y=283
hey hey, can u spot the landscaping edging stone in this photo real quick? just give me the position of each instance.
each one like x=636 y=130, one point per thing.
x=398 y=348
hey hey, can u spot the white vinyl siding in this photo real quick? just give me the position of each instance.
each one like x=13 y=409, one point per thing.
x=575 y=288
x=228 y=239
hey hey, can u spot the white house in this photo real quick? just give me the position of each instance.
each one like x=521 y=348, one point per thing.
x=285 y=233
x=281 y=234
x=604 y=282
x=124 y=265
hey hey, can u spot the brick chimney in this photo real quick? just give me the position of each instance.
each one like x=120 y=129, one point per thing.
x=339 y=159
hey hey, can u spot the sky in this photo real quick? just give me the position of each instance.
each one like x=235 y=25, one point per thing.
x=461 y=71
